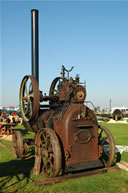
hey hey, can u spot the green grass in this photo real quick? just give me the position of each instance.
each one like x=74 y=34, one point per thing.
x=15 y=173
x=25 y=133
x=119 y=132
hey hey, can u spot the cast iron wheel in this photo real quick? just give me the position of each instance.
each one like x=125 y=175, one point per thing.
x=48 y=148
x=53 y=87
x=106 y=147
x=18 y=144
x=29 y=98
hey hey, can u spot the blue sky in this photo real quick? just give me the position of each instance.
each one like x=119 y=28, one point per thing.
x=92 y=36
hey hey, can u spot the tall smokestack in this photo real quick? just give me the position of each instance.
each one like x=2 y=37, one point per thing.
x=35 y=54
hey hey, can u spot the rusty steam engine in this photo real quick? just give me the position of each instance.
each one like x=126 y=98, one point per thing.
x=67 y=135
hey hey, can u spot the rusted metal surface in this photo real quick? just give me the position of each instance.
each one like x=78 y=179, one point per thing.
x=17 y=141
x=81 y=141
x=20 y=148
x=6 y=128
x=29 y=98
x=75 y=129
x=84 y=174
x=48 y=147
x=78 y=135
x=106 y=146
x=68 y=136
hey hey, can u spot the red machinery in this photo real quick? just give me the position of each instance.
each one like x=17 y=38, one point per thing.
x=67 y=134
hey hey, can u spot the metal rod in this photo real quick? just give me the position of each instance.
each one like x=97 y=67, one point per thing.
x=35 y=53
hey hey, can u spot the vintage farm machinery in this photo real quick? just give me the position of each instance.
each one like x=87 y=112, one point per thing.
x=6 y=128
x=67 y=135
x=6 y=125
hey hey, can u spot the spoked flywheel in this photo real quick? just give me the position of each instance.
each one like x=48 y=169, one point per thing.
x=106 y=147
x=54 y=86
x=29 y=98
x=48 y=148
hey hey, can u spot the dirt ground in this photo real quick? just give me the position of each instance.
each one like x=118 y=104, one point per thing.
x=7 y=137
x=125 y=121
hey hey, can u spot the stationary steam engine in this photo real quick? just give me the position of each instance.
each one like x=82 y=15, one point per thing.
x=67 y=135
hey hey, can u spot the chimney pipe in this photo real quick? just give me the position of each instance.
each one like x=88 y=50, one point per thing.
x=35 y=54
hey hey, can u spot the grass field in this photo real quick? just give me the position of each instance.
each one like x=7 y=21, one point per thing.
x=15 y=173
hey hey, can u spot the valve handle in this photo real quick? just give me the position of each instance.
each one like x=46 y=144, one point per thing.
x=63 y=71
x=68 y=70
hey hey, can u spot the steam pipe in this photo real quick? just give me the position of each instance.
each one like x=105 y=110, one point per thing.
x=35 y=53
